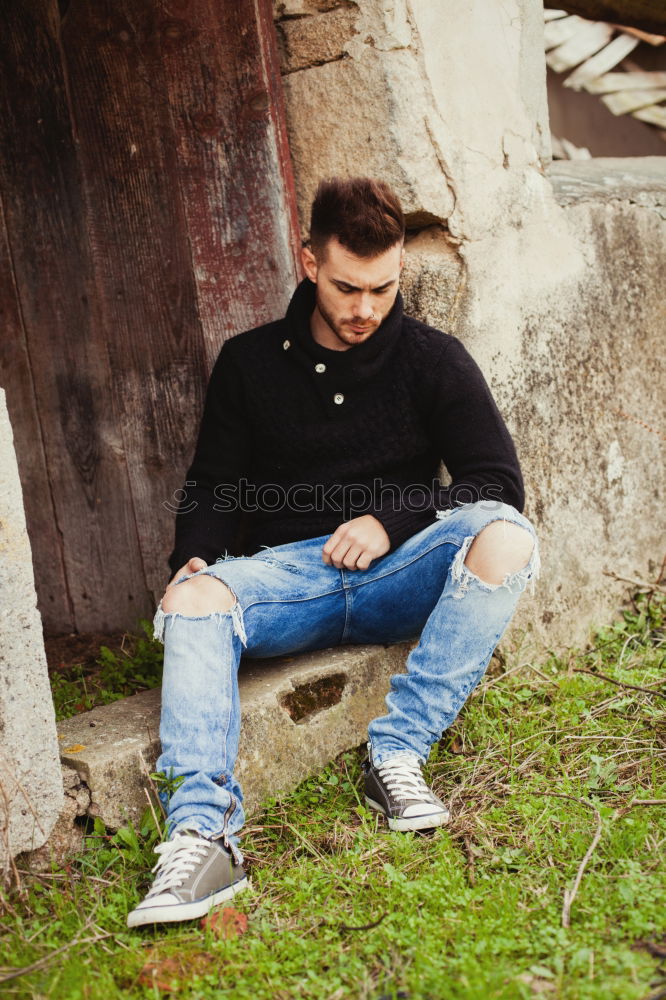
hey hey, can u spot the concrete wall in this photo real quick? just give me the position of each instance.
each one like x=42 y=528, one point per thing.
x=550 y=280
x=31 y=790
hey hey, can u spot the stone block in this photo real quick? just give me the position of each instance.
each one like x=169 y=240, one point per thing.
x=113 y=748
x=458 y=142
x=31 y=791
x=638 y=180
x=67 y=836
x=370 y=116
x=298 y=714
x=312 y=41
x=433 y=278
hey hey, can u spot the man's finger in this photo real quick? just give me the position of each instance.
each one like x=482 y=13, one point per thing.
x=333 y=541
x=336 y=539
x=350 y=560
x=339 y=552
x=364 y=560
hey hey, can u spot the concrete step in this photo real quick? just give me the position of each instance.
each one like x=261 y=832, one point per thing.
x=298 y=713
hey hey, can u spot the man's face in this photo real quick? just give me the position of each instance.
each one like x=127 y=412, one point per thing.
x=354 y=294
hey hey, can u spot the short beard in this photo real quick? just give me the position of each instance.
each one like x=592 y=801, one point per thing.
x=328 y=319
x=336 y=327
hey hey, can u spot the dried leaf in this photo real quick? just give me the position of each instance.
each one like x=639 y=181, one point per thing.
x=169 y=974
x=76 y=748
x=226 y=923
x=163 y=975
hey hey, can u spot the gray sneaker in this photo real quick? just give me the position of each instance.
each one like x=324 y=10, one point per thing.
x=397 y=789
x=194 y=875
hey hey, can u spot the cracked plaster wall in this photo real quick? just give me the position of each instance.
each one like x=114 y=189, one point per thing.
x=555 y=293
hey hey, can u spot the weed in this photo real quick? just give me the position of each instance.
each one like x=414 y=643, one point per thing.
x=137 y=667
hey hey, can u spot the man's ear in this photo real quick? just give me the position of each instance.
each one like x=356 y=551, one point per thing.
x=309 y=262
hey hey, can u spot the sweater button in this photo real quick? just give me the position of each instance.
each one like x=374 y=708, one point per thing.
x=320 y=368
x=338 y=398
x=287 y=345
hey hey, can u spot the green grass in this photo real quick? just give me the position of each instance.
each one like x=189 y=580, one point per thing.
x=342 y=908
x=136 y=667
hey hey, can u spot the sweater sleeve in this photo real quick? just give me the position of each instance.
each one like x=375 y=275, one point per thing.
x=471 y=438
x=209 y=514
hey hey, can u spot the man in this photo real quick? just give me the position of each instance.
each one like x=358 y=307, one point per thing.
x=321 y=440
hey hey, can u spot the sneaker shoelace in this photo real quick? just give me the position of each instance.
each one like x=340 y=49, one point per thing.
x=402 y=776
x=178 y=859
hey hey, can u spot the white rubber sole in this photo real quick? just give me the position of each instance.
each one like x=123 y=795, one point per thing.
x=184 y=911
x=406 y=823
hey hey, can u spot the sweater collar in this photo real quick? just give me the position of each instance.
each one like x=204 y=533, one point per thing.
x=358 y=362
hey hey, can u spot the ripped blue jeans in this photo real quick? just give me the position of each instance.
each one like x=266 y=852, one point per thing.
x=288 y=600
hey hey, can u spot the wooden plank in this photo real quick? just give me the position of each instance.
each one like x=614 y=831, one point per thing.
x=610 y=56
x=234 y=168
x=46 y=227
x=626 y=101
x=588 y=40
x=16 y=380
x=644 y=36
x=557 y=32
x=268 y=41
x=648 y=15
x=610 y=82
x=569 y=151
x=653 y=116
x=191 y=215
x=142 y=269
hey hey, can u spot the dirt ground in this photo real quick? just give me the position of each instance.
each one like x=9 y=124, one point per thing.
x=65 y=651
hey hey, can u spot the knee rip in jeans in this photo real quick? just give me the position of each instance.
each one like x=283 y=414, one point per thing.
x=514 y=582
x=163 y=618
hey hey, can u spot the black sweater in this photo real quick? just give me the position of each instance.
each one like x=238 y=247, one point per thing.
x=315 y=437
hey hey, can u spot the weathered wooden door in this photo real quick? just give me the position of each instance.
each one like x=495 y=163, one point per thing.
x=147 y=214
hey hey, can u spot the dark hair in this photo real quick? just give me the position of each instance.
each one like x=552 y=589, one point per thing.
x=364 y=215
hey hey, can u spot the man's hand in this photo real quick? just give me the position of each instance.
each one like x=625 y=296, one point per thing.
x=191 y=566
x=356 y=543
